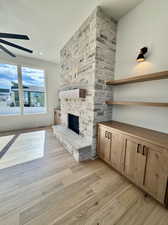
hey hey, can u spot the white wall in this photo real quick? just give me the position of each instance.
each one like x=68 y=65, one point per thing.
x=146 y=25
x=52 y=85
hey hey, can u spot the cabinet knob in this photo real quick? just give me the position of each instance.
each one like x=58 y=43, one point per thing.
x=106 y=134
x=145 y=150
x=109 y=136
x=138 y=148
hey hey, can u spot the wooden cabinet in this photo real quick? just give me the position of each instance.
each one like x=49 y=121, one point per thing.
x=135 y=161
x=156 y=174
x=117 y=151
x=139 y=154
x=111 y=148
x=104 y=144
x=146 y=166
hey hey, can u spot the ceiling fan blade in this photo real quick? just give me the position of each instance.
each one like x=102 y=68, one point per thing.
x=15 y=46
x=7 y=51
x=15 y=36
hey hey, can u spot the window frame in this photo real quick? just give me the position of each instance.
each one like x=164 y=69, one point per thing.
x=21 y=92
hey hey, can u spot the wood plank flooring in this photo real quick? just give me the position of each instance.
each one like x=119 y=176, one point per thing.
x=56 y=190
x=21 y=148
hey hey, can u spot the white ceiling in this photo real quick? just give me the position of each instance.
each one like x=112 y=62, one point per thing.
x=50 y=23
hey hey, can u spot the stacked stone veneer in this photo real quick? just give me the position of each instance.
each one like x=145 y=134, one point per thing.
x=87 y=61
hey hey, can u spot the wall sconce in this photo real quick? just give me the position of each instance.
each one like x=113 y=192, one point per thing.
x=142 y=52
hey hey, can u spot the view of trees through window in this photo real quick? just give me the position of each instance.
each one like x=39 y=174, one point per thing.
x=22 y=92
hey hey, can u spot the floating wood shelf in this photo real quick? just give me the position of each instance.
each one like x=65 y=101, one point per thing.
x=155 y=104
x=136 y=79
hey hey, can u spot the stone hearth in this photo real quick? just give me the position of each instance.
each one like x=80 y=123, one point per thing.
x=78 y=146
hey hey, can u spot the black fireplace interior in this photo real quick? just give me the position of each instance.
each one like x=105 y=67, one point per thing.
x=73 y=123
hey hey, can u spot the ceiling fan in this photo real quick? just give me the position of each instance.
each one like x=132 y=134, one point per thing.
x=12 y=36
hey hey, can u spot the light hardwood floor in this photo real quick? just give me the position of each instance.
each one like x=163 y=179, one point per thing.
x=21 y=148
x=56 y=190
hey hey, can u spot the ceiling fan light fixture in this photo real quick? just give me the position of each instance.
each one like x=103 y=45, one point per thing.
x=14 y=36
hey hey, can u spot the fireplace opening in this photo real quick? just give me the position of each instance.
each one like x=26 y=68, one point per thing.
x=73 y=123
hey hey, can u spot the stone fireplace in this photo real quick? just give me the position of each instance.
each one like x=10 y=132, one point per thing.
x=79 y=108
x=74 y=132
x=87 y=61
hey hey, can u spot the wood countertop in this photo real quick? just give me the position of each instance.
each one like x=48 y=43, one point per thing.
x=148 y=135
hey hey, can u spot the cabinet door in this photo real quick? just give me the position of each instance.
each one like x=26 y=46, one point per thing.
x=156 y=176
x=135 y=161
x=117 y=151
x=104 y=144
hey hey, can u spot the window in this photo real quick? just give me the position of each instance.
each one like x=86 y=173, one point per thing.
x=9 y=96
x=21 y=92
x=34 y=90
